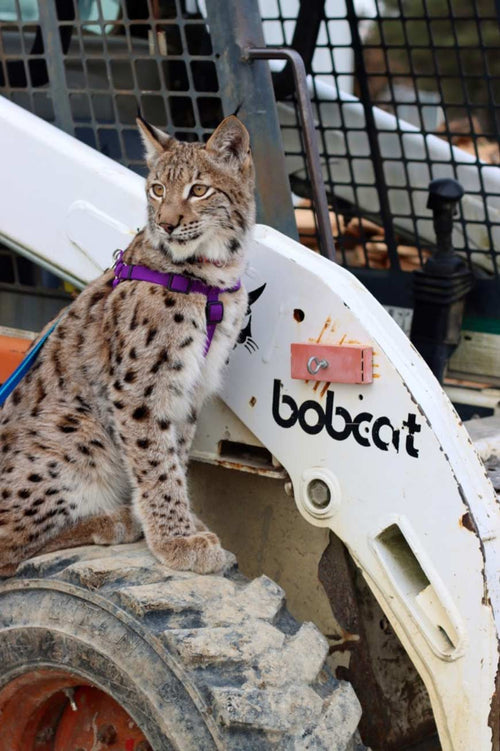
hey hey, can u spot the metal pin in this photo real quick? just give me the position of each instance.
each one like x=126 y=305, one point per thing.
x=314 y=365
x=70 y=693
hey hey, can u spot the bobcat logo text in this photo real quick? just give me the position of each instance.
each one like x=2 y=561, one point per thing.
x=366 y=429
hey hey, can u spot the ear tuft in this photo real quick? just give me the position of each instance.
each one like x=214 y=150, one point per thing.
x=155 y=141
x=230 y=140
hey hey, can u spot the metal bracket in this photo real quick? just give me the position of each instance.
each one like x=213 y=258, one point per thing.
x=332 y=363
x=327 y=246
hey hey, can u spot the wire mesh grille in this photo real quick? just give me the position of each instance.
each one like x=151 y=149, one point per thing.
x=89 y=66
x=405 y=91
x=107 y=59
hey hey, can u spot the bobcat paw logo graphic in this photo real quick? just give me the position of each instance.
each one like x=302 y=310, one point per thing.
x=245 y=336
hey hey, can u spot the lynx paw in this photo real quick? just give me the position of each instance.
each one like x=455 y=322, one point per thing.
x=200 y=552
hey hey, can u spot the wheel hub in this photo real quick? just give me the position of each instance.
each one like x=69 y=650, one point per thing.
x=50 y=710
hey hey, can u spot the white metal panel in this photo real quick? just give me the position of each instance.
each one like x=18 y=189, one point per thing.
x=62 y=201
x=408 y=513
x=414 y=507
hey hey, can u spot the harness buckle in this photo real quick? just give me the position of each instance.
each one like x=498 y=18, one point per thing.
x=214 y=311
x=179 y=283
x=118 y=267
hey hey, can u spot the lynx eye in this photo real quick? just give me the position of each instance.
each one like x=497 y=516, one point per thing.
x=157 y=190
x=199 y=190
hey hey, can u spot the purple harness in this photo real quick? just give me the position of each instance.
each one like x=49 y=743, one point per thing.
x=214 y=310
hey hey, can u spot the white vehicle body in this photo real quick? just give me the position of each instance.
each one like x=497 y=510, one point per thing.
x=407 y=493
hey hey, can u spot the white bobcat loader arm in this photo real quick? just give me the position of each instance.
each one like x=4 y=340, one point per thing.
x=386 y=465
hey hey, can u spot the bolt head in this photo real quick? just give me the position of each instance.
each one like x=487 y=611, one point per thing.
x=319 y=493
x=106 y=734
x=45 y=735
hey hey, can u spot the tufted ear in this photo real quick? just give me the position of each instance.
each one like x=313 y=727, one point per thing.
x=155 y=141
x=230 y=141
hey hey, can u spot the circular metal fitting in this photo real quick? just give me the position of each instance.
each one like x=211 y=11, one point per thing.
x=106 y=734
x=37 y=710
x=320 y=492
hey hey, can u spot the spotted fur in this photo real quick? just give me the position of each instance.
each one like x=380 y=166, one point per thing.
x=94 y=441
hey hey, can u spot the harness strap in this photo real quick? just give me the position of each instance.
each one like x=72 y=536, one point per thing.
x=17 y=376
x=214 y=310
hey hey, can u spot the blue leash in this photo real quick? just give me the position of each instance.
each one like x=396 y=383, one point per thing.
x=17 y=376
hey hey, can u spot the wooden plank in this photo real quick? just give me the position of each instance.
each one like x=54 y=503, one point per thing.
x=477 y=357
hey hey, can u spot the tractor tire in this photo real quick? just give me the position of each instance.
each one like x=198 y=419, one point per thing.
x=191 y=662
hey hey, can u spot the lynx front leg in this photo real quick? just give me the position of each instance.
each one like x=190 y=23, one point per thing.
x=185 y=434
x=161 y=501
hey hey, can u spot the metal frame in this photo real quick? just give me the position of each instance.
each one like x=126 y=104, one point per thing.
x=248 y=90
x=375 y=165
x=326 y=244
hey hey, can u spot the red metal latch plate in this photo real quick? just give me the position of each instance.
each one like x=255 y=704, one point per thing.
x=332 y=363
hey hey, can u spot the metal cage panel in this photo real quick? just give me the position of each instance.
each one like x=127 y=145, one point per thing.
x=405 y=91
x=89 y=66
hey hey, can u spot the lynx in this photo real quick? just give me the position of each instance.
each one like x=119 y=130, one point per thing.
x=95 y=439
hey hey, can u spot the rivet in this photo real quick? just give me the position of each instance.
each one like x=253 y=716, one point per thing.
x=44 y=735
x=106 y=734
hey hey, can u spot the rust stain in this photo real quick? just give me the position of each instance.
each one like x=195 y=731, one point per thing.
x=325 y=326
x=316 y=385
x=343 y=339
x=251 y=468
x=494 y=717
x=466 y=522
x=376 y=375
x=253 y=401
x=341 y=644
x=324 y=389
x=353 y=341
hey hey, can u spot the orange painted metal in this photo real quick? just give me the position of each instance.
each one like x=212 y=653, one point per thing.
x=332 y=363
x=12 y=351
x=37 y=715
x=29 y=707
x=89 y=725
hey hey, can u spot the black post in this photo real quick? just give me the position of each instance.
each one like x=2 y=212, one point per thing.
x=248 y=88
x=440 y=288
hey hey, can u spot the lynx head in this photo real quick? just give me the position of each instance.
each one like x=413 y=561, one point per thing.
x=200 y=197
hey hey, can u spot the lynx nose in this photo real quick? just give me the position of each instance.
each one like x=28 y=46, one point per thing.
x=169 y=228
